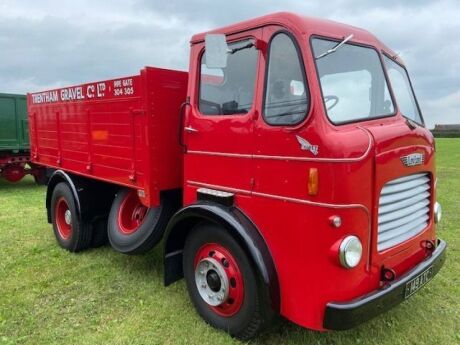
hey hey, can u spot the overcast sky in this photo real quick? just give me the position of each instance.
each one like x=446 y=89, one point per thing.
x=46 y=44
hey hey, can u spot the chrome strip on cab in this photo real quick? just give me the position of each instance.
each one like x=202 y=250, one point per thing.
x=289 y=158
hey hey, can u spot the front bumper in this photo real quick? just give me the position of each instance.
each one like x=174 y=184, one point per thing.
x=341 y=316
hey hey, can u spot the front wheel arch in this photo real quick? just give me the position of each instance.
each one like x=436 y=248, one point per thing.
x=237 y=224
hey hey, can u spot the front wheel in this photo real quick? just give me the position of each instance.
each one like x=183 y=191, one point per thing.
x=222 y=283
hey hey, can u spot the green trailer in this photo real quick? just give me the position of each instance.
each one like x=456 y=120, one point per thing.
x=14 y=140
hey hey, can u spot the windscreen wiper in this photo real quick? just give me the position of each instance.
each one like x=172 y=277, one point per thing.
x=247 y=46
x=332 y=50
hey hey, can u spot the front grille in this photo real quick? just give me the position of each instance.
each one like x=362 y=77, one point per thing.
x=404 y=208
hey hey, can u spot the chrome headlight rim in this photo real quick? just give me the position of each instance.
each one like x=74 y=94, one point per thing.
x=437 y=212
x=351 y=242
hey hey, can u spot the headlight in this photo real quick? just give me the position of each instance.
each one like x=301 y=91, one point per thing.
x=437 y=212
x=350 y=252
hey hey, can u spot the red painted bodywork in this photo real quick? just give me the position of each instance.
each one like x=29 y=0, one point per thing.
x=262 y=164
x=122 y=131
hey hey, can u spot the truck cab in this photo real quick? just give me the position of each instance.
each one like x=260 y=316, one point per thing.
x=314 y=128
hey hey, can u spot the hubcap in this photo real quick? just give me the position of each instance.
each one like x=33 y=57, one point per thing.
x=212 y=281
x=218 y=279
x=68 y=217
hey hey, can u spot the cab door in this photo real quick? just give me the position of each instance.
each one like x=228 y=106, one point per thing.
x=285 y=138
x=219 y=125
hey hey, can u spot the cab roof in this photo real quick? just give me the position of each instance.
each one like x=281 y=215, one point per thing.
x=303 y=25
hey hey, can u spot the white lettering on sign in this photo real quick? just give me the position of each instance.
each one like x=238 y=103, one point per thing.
x=100 y=89
x=72 y=94
x=90 y=91
x=123 y=87
x=45 y=97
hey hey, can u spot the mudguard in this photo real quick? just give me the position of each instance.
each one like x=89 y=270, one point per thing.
x=57 y=177
x=235 y=222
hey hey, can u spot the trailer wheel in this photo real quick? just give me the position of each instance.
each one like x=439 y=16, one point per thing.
x=222 y=283
x=134 y=228
x=13 y=172
x=71 y=233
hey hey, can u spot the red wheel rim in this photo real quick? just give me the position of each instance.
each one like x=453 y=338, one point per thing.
x=13 y=173
x=219 y=259
x=131 y=213
x=63 y=218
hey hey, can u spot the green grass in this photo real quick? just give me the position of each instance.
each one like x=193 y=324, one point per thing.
x=49 y=296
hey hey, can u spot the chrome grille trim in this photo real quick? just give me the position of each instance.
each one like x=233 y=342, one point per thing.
x=387 y=199
x=404 y=207
x=404 y=185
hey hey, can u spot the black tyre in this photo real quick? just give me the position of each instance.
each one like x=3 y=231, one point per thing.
x=222 y=283
x=134 y=228
x=100 y=236
x=70 y=232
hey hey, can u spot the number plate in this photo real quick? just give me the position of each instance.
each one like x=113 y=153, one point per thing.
x=416 y=283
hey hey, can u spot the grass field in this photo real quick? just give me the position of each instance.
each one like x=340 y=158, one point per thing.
x=49 y=296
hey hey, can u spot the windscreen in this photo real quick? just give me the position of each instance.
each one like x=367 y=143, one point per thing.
x=352 y=82
x=402 y=90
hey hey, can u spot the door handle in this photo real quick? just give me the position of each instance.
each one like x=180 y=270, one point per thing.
x=190 y=129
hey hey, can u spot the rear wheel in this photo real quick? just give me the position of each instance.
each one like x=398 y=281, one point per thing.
x=134 y=228
x=222 y=283
x=70 y=232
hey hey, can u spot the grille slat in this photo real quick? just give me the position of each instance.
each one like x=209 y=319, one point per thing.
x=403 y=203
x=389 y=199
x=405 y=178
x=401 y=230
x=402 y=212
x=403 y=209
x=397 y=188
x=407 y=235
x=400 y=222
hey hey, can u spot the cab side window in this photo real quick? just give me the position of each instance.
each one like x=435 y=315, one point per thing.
x=286 y=92
x=229 y=90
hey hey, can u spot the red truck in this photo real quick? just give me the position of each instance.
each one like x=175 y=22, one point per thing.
x=289 y=172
